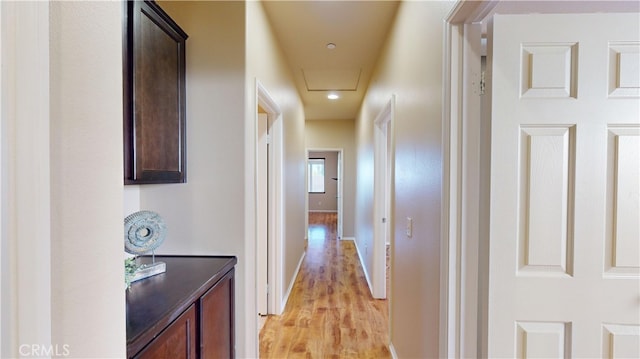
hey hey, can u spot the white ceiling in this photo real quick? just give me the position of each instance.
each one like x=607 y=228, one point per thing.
x=357 y=28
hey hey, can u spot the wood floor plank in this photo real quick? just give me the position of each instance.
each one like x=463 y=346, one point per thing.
x=330 y=312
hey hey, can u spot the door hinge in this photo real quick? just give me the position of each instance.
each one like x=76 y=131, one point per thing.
x=482 y=83
x=268 y=139
x=267 y=288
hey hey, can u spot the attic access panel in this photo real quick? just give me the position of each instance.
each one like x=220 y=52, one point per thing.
x=331 y=79
x=154 y=96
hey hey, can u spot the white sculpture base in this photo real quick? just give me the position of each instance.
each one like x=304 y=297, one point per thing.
x=148 y=270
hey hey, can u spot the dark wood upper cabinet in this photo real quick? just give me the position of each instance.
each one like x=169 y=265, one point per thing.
x=154 y=96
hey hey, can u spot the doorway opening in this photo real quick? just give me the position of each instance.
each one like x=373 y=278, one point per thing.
x=325 y=172
x=269 y=204
x=382 y=213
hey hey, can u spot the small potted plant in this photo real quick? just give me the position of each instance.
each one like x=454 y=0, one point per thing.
x=130 y=268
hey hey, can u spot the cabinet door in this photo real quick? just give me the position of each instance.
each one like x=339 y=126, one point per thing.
x=177 y=341
x=154 y=121
x=216 y=320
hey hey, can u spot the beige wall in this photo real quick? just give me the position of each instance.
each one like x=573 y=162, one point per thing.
x=87 y=284
x=328 y=200
x=206 y=214
x=338 y=134
x=411 y=68
x=229 y=46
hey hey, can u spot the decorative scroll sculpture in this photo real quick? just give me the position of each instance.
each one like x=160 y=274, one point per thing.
x=144 y=231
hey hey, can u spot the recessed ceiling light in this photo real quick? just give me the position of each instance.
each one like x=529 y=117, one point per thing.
x=331 y=46
x=333 y=96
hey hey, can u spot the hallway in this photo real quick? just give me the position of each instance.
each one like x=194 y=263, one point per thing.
x=330 y=312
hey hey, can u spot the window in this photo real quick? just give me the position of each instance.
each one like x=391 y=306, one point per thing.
x=316 y=175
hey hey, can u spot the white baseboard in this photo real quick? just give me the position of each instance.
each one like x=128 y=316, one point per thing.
x=394 y=355
x=262 y=320
x=323 y=211
x=364 y=268
x=293 y=281
x=349 y=239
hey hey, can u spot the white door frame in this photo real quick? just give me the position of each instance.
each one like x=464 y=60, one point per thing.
x=466 y=153
x=25 y=208
x=263 y=160
x=462 y=137
x=382 y=212
x=274 y=253
x=340 y=187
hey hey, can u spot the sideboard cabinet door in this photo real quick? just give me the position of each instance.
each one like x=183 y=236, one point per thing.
x=216 y=320
x=177 y=341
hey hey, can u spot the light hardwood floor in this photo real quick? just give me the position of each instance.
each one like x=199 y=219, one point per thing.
x=330 y=313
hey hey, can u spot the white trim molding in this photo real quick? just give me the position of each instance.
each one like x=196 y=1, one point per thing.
x=364 y=267
x=285 y=299
x=392 y=349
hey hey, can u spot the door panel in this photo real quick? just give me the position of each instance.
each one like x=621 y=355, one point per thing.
x=565 y=186
x=622 y=248
x=177 y=341
x=217 y=322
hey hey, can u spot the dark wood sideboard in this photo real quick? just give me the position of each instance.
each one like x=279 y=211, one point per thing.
x=187 y=312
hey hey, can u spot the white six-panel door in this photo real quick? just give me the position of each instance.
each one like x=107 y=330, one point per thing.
x=565 y=187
